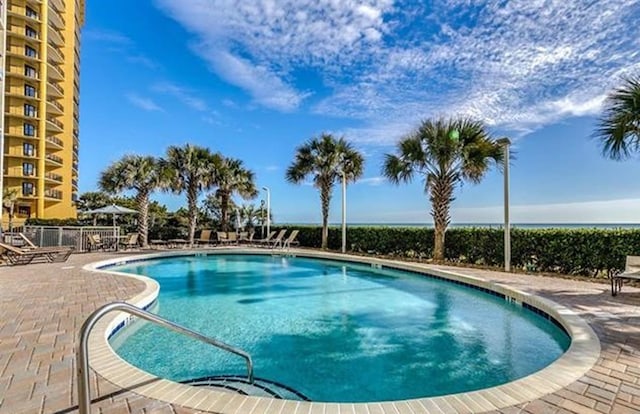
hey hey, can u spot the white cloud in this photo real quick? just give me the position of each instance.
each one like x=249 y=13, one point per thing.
x=144 y=61
x=106 y=36
x=182 y=95
x=272 y=168
x=373 y=181
x=143 y=103
x=516 y=65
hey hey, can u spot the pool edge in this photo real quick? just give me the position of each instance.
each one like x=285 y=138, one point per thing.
x=581 y=356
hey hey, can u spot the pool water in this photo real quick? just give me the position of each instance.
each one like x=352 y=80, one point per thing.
x=336 y=332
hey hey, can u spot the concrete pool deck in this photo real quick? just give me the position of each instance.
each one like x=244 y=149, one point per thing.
x=43 y=306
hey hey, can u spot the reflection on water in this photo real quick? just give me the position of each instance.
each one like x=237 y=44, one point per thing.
x=338 y=332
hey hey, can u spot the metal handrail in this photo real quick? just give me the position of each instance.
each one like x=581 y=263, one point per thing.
x=84 y=393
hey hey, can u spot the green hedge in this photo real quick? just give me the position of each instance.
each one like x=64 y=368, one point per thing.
x=592 y=252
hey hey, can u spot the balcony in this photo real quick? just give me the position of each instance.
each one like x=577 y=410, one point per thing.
x=56 y=19
x=74 y=183
x=57 y=5
x=21 y=13
x=53 y=177
x=53 y=158
x=53 y=89
x=54 y=71
x=54 y=125
x=55 y=36
x=54 y=53
x=53 y=194
x=54 y=107
x=54 y=142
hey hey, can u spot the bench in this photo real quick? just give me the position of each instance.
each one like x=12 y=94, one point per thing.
x=631 y=273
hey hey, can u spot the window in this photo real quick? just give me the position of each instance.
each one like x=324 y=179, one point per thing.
x=24 y=211
x=31 y=52
x=29 y=110
x=27 y=189
x=28 y=149
x=31 y=13
x=29 y=32
x=28 y=168
x=29 y=130
x=29 y=91
x=30 y=71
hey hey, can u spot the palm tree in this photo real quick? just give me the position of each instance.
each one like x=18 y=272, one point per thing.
x=232 y=178
x=140 y=174
x=326 y=159
x=445 y=153
x=9 y=199
x=619 y=129
x=191 y=169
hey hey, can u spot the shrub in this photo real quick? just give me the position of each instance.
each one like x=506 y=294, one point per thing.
x=591 y=252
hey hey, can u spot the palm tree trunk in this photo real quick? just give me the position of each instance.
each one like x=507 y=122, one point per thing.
x=325 y=199
x=224 y=211
x=441 y=196
x=142 y=199
x=192 y=203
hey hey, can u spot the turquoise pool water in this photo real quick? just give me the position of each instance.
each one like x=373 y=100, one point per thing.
x=335 y=331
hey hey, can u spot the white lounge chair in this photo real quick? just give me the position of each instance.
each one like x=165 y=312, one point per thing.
x=631 y=272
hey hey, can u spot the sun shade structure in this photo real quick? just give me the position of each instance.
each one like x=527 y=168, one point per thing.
x=114 y=210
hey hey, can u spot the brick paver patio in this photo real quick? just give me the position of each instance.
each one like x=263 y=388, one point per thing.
x=43 y=305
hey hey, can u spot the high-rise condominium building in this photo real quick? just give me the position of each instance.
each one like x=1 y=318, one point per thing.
x=41 y=91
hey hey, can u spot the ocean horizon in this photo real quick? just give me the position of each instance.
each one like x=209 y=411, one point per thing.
x=488 y=225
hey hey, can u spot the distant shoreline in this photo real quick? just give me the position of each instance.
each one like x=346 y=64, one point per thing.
x=488 y=225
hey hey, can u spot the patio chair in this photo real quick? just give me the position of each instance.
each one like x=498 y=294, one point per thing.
x=205 y=237
x=290 y=240
x=223 y=237
x=17 y=256
x=277 y=241
x=265 y=241
x=232 y=237
x=131 y=242
x=247 y=237
x=94 y=242
x=631 y=273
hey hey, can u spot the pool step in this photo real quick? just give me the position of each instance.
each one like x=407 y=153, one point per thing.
x=239 y=384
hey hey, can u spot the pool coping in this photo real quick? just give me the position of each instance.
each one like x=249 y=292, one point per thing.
x=581 y=356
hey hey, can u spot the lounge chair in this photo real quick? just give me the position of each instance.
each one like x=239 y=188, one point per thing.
x=223 y=237
x=266 y=240
x=277 y=241
x=130 y=242
x=205 y=237
x=17 y=256
x=290 y=240
x=94 y=242
x=232 y=237
x=631 y=272
x=246 y=237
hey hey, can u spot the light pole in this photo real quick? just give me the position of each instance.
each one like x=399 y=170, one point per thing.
x=505 y=142
x=344 y=213
x=268 y=210
x=262 y=219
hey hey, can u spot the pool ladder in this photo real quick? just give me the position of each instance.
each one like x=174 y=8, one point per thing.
x=84 y=393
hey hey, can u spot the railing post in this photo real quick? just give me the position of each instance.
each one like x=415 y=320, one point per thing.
x=41 y=235
x=60 y=231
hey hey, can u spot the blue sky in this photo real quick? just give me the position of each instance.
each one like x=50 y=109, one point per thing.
x=254 y=79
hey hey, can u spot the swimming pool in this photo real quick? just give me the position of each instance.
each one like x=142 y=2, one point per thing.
x=337 y=331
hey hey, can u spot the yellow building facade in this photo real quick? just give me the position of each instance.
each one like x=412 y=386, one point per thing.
x=41 y=86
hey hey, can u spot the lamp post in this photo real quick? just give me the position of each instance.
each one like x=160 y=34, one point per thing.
x=505 y=142
x=344 y=213
x=268 y=209
x=262 y=218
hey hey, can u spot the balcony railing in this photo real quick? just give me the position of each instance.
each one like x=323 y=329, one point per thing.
x=54 y=158
x=56 y=104
x=51 y=82
x=51 y=193
x=56 y=141
x=53 y=176
x=55 y=122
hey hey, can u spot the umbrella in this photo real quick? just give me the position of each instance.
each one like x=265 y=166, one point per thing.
x=114 y=210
